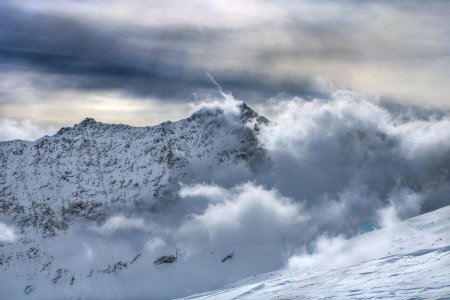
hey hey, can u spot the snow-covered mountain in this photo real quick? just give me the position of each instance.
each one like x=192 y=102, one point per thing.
x=104 y=211
x=410 y=260
x=85 y=170
x=93 y=173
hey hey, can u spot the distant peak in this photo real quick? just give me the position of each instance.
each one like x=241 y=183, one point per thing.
x=87 y=121
x=244 y=112
x=245 y=109
x=244 y=106
x=247 y=114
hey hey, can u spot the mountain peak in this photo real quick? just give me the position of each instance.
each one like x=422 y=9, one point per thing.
x=244 y=112
x=87 y=121
x=247 y=114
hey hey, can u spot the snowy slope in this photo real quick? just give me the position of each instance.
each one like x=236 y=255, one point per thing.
x=409 y=260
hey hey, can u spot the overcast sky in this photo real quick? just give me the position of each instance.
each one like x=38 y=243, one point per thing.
x=141 y=61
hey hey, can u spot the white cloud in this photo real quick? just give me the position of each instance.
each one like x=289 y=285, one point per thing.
x=29 y=109
x=335 y=252
x=88 y=251
x=120 y=222
x=229 y=105
x=421 y=139
x=212 y=192
x=155 y=244
x=195 y=13
x=23 y=130
x=300 y=123
x=248 y=215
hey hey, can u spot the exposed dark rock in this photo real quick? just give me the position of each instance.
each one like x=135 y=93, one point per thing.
x=227 y=257
x=165 y=259
x=28 y=289
x=60 y=274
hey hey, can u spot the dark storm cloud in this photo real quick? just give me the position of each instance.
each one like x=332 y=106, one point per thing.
x=143 y=61
x=160 y=52
x=88 y=57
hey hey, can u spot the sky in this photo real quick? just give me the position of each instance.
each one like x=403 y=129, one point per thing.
x=142 y=62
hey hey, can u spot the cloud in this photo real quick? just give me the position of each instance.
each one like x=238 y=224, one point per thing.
x=350 y=140
x=337 y=251
x=211 y=192
x=27 y=96
x=23 y=130
x=145 y=61
x=351 y=163
x=255 y=49
x=245 y=216
x=229 y=106
x=155 y=245
x=151 y=13
x=120 y=222
x=88 y=251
